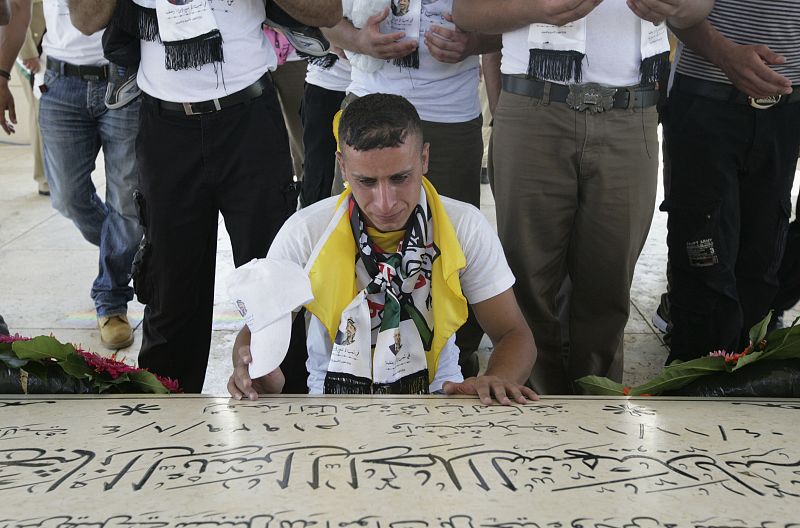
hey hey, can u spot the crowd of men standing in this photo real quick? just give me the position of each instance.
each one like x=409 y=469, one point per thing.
x=574 y=153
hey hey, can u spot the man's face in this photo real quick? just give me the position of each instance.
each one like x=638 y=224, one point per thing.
x=386 y=182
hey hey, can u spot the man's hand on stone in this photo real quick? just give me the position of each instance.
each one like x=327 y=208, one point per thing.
x=450 y=45
x=747 y=67
x=240 y=385
x=7 y=104
x=372 y=42
x=486 y=387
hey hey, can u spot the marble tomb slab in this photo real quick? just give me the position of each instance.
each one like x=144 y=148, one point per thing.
x=397 y=462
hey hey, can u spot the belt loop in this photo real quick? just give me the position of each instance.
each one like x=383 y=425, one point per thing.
x=631 y=99
x=546 y=93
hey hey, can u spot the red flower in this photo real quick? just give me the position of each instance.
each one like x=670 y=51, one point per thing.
x=102 y=364
x=11 y=339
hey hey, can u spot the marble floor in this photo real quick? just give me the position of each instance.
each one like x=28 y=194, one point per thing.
x=47 y=269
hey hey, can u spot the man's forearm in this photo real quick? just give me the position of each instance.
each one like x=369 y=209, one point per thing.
x=704 y=39
x=90 y=16
x=343 y=35
x=513 y=357
x=488 y=43
x=12 y=36
x=319 y=13
x=692 y=13
x=493 y=16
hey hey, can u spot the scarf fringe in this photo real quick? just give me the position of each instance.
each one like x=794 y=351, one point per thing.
x=341 y=383
x=554 y=65
x=195 y=52
x=655 y=68
x=409 y=61
x=325 y=62
x=136 y=20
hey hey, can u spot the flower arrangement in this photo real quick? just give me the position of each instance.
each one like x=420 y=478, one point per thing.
x=51 y=366
x=778 y=345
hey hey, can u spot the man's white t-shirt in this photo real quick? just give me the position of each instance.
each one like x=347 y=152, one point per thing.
x=336 y=78
x=64 y=42
x=247 y=51
x=613 y=49
x=441 y=92
x=485 y=275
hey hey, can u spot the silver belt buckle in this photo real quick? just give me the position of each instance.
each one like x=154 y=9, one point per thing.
x=188 y=109
x=762 y=103
x=591 y=96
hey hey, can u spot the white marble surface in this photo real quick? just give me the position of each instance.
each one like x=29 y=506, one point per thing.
x=406 y=462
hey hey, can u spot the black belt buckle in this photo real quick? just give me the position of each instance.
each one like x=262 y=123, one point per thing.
x=590 y=96
x=762 y=103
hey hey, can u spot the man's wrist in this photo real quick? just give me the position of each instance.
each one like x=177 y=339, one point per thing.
x=5 y=75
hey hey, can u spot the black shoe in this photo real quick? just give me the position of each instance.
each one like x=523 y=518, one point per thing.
x=3 y=327
x=776 y=322
x=484 y=176
x=122 y=88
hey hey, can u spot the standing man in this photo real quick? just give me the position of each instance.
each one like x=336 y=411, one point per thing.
x=75 y=125
x=732 y=132
x=576 y=162
x=212 y=140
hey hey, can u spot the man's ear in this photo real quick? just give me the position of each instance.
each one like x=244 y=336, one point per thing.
x=426 y=148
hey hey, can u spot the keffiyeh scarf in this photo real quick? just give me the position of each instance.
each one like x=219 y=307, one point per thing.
x=187 y=28
x=557 y=52
x=387 y=337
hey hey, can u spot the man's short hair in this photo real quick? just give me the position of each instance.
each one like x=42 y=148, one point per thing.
x=378 y=121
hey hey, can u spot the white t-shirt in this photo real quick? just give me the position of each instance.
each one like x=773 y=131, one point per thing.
x=441 y=92
x=486 y=275
x=248 y=55
x=613 y=50
x=65 y=43
x=335 y=78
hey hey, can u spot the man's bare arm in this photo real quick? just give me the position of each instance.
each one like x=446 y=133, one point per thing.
x=500 y=16
x=319 y=13
x=747 y=66
x=90 y=16
x=12 y=36
x=513 y=356
x=679 y=13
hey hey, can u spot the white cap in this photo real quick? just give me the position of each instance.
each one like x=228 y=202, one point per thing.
x=266 y=292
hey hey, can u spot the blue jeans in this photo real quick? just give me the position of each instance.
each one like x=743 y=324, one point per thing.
x=75 y=124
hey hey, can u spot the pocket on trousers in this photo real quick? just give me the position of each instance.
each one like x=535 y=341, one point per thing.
x=694 y=235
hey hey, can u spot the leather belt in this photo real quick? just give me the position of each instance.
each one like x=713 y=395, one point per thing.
x=586 y=96
x=727 y=92
x=87 y=73
x=215 y=105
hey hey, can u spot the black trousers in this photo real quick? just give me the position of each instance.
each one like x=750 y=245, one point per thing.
x=235 y=161
x=731 y=176
x=317 y=110
x=789 y=274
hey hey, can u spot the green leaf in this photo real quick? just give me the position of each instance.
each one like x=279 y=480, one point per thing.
x=759 y=330
x=42 y=348
x=600 y=386
x=74 y=365
x=147 y=382
x=676 y=375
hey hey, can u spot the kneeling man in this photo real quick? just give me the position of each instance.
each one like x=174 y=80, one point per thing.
x=392 y=266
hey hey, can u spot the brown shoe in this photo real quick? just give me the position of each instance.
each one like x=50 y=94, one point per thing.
x=115 y=331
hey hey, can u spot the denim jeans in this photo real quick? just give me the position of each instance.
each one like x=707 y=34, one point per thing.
x=75 y=124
